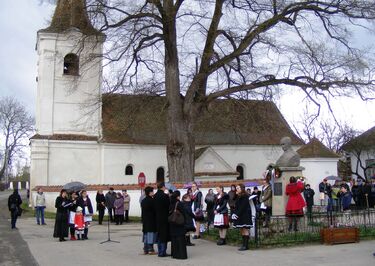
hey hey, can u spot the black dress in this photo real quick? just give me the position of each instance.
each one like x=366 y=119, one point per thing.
x=162 y=203
x=62 y=217
x=189 y=216
x=178 y=246
x=242 y=212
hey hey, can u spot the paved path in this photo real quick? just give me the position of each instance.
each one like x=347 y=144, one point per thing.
x=13 y=249
x=48 y=251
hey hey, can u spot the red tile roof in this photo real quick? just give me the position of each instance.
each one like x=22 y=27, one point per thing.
x=95 y=187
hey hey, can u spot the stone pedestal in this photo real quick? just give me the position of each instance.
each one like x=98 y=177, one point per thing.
x=279 y=199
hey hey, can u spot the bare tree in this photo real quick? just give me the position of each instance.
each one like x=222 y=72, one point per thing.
x=16 y=125
x=194 y=52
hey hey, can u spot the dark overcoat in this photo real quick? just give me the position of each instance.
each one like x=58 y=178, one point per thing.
x=176 y=229
x=243 y=212
x=162 y=203
x=148 y=215
x=62 y=206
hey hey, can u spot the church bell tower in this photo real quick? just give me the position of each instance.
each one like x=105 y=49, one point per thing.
x=69 y=73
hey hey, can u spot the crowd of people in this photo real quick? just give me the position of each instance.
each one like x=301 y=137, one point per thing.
x=168 y=216
x=74 y=211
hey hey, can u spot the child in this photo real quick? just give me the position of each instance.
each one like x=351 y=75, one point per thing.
x=79 y=223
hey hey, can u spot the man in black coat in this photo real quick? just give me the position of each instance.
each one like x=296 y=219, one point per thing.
x=149 y=221
x=308 y=194
x=14 y=203
x=162 y=203
x=110 y=198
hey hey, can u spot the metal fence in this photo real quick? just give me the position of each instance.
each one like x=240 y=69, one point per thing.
x=279 y=232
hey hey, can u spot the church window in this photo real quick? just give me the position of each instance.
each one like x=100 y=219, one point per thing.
x=240 y=170
x=160 y=174
x=71 y=64
x=129 y=169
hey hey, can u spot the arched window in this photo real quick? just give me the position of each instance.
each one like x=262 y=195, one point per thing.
x=71 y=64
x=129 y=169
x=160 y=174
x=240 y=170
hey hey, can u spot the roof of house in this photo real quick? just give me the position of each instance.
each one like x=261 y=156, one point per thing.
x=71 y=14
x=366 y=139
x=142 y=119
x=316 y=149
x=202 y=184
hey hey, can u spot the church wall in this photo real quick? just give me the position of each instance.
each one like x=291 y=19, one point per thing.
x=254 y=158
x=73 y=161
x=316 y=169
x=143 y=158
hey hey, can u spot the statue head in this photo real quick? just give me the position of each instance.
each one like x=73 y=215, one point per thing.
x=286 y=143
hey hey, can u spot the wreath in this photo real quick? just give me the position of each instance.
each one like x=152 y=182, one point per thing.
x=273 y=172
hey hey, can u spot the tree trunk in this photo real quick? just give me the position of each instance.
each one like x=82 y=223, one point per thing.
x=180 y=145
x=180 y=149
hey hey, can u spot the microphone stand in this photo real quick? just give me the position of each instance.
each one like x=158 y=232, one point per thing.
x=109 y=232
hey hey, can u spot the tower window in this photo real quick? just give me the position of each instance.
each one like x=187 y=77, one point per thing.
x=71 y=64
x=240 y=170
x=129 y=169
x=160 y=174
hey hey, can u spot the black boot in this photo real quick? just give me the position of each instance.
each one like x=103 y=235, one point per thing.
x=85 y=233
x=188 y=242
x=290 y=227
x=221 y=242
x=245 y=243
x=295 y=227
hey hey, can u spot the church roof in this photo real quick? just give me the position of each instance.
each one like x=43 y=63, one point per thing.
x=363 y=141
x=316 y=149
x=141 y=119
x=71 y=14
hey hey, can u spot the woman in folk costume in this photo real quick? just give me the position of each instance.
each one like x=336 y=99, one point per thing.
x=79 y=223
x=196 y=198
x=242 y=215
x=221 y=218
x=72 y=213
x=189 y=218
x=294 y=207
x=62 y=205
x=85 y=203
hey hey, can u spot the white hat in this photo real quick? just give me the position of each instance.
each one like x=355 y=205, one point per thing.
x=79 y=209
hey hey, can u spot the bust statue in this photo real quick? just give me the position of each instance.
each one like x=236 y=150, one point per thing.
x=289 y=158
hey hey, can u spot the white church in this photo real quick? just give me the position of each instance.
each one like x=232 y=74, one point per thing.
x=107 y=140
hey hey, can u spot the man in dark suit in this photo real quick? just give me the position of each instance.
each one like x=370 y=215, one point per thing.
x=162 y=203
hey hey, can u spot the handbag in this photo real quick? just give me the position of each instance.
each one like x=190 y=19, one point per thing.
x=176 y=217
x=199 y=214
x=19 y=211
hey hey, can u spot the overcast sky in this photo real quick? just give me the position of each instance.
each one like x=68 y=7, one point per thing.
x=20 y=20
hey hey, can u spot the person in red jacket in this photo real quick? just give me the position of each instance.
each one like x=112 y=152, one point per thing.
x=79 y=223
x=294 y=207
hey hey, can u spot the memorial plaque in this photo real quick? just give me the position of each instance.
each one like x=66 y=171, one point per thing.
x=278 y=189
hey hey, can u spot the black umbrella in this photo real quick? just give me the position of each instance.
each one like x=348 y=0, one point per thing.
x=334 y=178
x=74 y=186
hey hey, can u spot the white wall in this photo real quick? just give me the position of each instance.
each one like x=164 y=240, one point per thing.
x=316 y=169
x=68 y=104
